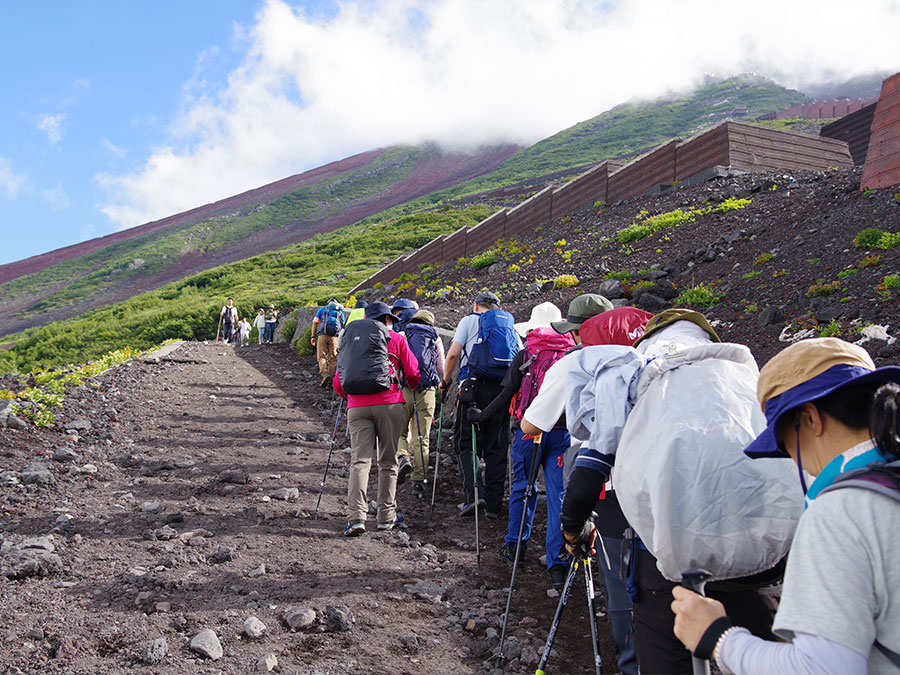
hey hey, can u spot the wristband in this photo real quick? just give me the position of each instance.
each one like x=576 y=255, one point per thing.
x=576 y=535
x=717 y=651
x=710 y=638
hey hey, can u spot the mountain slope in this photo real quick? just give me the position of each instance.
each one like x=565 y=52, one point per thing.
x=623 y=131
x=67 y=282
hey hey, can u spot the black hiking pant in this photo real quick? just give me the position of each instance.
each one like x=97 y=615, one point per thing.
x=750 y=604
x=491 y=443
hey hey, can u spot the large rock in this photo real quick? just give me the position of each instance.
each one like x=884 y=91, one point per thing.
x=650 y=302
x=770 y=316
x=338 y=618
x=206 y=642
x=611 y=289
x=236 y=476
x=298 y=619
x=253 y=627
x=426 y=590
x=155 y=651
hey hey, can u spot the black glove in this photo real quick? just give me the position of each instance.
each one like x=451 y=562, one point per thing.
x=475 y=415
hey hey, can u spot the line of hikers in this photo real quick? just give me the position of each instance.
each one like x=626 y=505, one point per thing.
x=649 y=432
x=232 y=329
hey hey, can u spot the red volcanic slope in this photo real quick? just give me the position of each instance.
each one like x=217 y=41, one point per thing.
x=38 y=262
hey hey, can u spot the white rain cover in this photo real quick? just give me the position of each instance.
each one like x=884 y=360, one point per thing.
x=682 y=478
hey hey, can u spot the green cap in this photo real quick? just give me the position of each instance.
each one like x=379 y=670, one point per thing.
x=670 y=316
x=581 y=309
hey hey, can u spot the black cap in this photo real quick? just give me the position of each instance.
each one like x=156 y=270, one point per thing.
x=487 y=298
x=376 y=310
x=360 y=304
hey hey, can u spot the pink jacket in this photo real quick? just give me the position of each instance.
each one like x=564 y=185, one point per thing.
x=398 y=348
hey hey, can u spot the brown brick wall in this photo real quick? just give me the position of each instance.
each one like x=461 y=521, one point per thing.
x=882 y=167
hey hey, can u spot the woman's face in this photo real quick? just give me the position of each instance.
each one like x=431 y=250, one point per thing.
x=787 y=434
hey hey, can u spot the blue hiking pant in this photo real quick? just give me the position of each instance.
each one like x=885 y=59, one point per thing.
x=552 y=449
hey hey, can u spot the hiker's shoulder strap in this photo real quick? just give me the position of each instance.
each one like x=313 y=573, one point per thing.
x=880 y=477
x=891 y=655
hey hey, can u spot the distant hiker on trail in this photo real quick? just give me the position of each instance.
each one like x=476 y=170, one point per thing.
x=426 y=346
x=326 y=325
x=484 y=344
x=271 y=320
x=228 y=318
x=260 y=324
x=368 y=376
x=403 y=309
x=244 y=331
x=831 y=411
x=543 y=347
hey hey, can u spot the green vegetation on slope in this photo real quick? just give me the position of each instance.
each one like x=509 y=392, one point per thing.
x=624 y=130
x=327 y=265
x=152 y=253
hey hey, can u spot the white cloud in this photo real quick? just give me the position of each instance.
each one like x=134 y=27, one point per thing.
x=311 y=88
x=57 y=197
x=52 y=126
x=113 y=149
x=10 y=181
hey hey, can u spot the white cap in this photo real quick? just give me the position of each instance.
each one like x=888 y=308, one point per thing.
x=541 y=317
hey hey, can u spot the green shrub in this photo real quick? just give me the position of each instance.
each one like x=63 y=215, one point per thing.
x=619 y=276
x=843 y=274
x=303 y=345
x=750 y=275
x=822 y=288
x=870 y=261
x=700 y=295
x=485 y=260
x=565 y=281
x=831 y=329
x=763 y=258
x=872 y=237
x=288 y=326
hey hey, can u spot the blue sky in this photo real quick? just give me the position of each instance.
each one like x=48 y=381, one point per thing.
x=118 y=112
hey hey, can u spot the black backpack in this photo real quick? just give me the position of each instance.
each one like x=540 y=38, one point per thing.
x=422 y=340
x=363 y=363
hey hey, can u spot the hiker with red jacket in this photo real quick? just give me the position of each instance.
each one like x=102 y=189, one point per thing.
x=368 y=376
x=543 y=347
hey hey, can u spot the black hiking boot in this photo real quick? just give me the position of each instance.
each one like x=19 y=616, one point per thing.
x=403 y=470
x=418 y=489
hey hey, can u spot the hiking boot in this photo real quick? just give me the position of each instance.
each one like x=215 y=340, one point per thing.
x=324 y=382
x=398 y=523
x=468 y=509
x=558 y=577
x=418 y=489
x=403 y=470
x=508 y=554
x=354 y=529
x=491 y=515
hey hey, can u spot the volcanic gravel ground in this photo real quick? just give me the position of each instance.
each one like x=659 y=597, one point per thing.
x=158 y=515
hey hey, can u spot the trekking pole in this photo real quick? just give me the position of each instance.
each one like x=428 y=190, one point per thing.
x=561 y=605
x=695 y=580
x=337 y=423
x=437 y=459
x=421 y=447
x=475 y=486
x=589 y=583
x=218 y=328
x=529 y=492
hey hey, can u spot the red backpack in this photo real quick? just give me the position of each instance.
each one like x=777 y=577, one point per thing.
x=543 y=348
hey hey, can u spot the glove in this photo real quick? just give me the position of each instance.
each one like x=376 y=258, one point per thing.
x=581 y=543
x=474 y=415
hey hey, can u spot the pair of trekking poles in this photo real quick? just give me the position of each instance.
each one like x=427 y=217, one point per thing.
x=437 y=453
x=583 y=560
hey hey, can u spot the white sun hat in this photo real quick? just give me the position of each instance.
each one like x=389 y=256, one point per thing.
x=541 y=317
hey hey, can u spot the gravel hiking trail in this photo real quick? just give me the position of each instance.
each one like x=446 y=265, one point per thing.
x=175 y=497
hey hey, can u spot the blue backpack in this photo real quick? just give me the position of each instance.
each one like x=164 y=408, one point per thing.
x=422 y=340
x=495 y=347
x=334 y=319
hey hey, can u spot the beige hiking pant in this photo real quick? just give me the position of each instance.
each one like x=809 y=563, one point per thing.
x=366 y=424
x=425 y=402
x=326 y=354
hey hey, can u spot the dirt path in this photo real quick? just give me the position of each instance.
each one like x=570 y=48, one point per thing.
x=162 y=505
